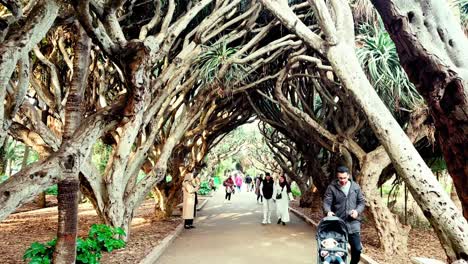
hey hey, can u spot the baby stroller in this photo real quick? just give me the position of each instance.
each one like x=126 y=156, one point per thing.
x=332 y=227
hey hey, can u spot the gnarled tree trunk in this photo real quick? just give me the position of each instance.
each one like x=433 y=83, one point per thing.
x=17 y=45
x=3 y=159
x=338 y=47
x=169 y=196
x=433 y=51
x=393 y=235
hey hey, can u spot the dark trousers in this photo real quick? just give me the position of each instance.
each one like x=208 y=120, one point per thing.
x=259 y=196
x=195 y=206
x=228 y=196
x=188 y=222
x=356 y=247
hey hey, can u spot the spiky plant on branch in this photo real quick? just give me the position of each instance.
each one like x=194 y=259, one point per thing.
x=463 y=5
x=379 y=58
x=210 y=63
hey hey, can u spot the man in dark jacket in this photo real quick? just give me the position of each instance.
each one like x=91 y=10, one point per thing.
x=248 y=181
x=266 y=189
x=344 y=199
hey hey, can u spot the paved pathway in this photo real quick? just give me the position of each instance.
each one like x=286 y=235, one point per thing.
x=231 y=233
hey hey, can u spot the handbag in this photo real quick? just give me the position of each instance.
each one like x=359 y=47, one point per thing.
x=278 y=195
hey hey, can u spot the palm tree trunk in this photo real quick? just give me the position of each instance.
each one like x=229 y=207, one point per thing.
x=68 y=189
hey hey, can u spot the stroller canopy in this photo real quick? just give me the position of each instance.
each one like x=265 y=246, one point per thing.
x=332 y=227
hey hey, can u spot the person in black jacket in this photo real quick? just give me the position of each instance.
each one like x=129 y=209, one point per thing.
x=258 y=182
x=248 y=182
x=266 y=189
x=344 y=199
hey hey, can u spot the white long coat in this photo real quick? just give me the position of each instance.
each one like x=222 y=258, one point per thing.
x=189 y=200
x=282 y=205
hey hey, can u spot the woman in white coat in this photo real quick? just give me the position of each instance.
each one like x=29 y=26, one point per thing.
x=283 y=195
x=188 y=207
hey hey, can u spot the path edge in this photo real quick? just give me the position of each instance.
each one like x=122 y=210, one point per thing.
x=364 y=258
x=158 y=250
x=202 y=204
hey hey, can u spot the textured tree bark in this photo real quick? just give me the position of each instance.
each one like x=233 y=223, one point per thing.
x=36 y=177
x=173 y=198
x=445 y=218
x=393 y=235
x=454 y=197
x=69 y=188
x=308 y=197
x=41 y=200
x=168 y=199
x=171 y=191
x=19 y=43
x=65 y=250
x=3 y=160
x=312 y=192
x=432 y=49
x=160 y=203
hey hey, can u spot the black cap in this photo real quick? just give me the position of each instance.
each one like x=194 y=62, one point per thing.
x=342 y=169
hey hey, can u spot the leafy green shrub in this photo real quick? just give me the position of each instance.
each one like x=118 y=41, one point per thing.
x=40 y=253
x=204 y=188
x=52 y=190
x=295 y=190
x=105 y=236
x=100 y=238
x=87 y=251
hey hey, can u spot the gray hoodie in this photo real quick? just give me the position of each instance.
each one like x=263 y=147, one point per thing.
x=337 y=202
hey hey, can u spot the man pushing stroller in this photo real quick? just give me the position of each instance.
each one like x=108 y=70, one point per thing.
x=343 y=198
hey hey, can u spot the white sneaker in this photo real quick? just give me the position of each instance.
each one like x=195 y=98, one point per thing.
x=269 y=221
x=264 y=222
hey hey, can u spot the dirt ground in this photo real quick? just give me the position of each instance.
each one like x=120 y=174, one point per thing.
x=30 y=224
x=19 y=230
x=421 y=242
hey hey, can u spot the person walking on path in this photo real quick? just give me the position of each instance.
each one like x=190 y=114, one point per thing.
x=266 y=189
x=248 y=182
x=229 y=184
x=283 y=195
x=188 y=207
x=258 y=182
x=239 y=181
x=344 y=199
x=212 y=184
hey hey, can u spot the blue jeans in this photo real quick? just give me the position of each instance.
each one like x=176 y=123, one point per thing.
x=356 y=247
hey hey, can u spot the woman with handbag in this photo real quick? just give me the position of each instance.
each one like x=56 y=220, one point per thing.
x=282 y=196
